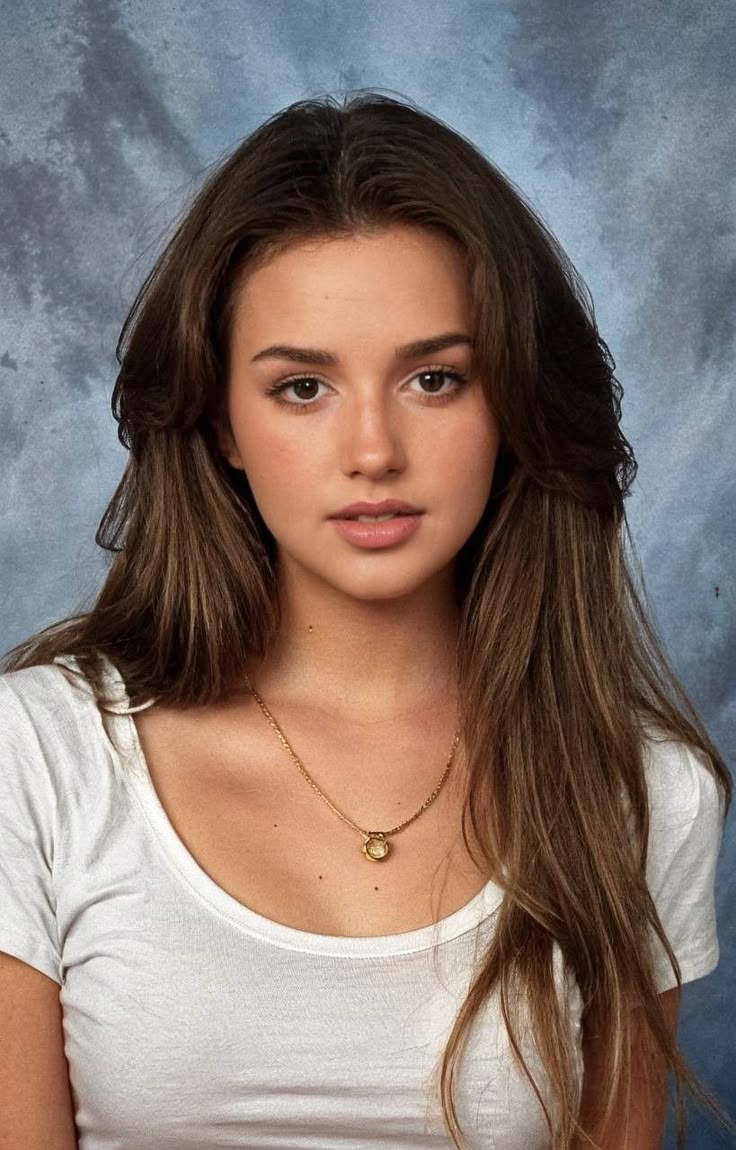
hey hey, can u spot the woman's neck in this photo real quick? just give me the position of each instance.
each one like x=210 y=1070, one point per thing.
x=374 y=658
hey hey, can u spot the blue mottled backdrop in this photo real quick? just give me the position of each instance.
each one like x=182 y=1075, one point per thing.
x=616 y=118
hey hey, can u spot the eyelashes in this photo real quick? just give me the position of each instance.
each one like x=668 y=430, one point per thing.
x=278 y=391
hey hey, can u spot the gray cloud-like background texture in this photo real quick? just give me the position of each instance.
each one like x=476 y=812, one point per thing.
x=615 y=118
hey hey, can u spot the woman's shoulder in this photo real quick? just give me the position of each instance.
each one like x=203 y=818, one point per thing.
x=49 y=720
x=680 y=779
x=45 y=694
x=63 y=684
x=62 y=767
x=686 y=809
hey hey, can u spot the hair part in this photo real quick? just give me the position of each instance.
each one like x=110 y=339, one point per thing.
x=560 y=672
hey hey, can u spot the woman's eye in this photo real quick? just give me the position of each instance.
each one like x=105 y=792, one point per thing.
x=305 y=390
x=433 y=379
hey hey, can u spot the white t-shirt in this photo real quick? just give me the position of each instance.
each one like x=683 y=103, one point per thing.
x=190 y=1021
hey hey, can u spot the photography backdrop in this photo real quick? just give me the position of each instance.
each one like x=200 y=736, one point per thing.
x=615 y=117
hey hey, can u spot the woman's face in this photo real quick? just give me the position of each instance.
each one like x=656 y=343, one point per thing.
x=360 y=420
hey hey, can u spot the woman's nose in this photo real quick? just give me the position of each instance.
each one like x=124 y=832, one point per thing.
x=371 y=442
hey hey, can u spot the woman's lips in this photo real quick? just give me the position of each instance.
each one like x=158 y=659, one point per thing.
x=379 y=532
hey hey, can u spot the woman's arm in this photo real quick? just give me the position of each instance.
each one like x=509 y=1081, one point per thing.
x=643 y=1127
x=36 y=1111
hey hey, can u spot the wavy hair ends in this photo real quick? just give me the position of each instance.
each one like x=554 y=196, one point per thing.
x=560 y=670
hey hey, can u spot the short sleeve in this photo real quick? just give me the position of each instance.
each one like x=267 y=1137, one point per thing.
x=28 y=928
x=686 y=827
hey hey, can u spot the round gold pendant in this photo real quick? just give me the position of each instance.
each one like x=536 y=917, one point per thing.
x=375 y=846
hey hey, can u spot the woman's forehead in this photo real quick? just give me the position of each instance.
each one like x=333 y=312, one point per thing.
x=373 y=284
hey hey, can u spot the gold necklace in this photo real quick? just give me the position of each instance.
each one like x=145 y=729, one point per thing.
x=375 y=847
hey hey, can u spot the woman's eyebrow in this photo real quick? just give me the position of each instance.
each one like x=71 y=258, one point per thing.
x=319 y=357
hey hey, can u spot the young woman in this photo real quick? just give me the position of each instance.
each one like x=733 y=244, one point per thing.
x=361 y=808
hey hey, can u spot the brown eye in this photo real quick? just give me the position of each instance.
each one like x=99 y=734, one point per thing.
x=432 y=380
x=439 y=383
x=305 y=388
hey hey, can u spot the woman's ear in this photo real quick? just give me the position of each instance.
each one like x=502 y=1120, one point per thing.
x=228 y=448
x=226 y=444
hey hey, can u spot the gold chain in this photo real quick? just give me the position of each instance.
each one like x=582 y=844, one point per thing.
x=375 y=846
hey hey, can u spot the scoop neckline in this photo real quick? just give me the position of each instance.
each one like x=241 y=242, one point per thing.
x=480 y=907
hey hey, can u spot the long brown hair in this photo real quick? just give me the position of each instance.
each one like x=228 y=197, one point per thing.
x=561 y=673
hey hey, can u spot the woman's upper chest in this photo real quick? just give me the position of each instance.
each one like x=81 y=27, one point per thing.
x=250 y=819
